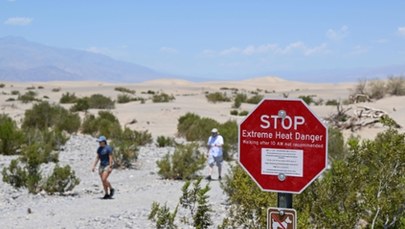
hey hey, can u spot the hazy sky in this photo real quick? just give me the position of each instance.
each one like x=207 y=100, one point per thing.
x=219 y=38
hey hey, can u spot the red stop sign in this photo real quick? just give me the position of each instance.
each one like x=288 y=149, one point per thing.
x=283 y=145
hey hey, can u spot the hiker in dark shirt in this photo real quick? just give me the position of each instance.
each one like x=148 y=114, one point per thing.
x=104 y=155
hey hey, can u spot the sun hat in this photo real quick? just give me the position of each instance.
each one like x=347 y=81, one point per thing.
x=215 y=130
x=101 y=139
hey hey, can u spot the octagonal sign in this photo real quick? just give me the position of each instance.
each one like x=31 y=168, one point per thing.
x=283 y=145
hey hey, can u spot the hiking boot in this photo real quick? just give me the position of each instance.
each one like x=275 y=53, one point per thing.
x=106 y=196
x=112 y=191
x=208 y=178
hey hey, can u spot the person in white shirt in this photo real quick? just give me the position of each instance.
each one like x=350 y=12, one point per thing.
x=214 y=144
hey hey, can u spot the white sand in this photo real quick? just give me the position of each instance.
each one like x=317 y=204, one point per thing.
x=137 y=189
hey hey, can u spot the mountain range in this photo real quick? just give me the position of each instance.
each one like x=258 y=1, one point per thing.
x=22 y=60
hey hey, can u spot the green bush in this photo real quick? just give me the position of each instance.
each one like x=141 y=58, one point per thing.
x=125 y=90
x=255 y=99
x=81 y=104
x=162 y=216
x=10 y=100
x=15 y=174
x=29 y=96
x=217 y=97
x=126 y=147
x=248 y=203
x=193 y=200
x=44 y=115
x=162 y=98
x=234 y=112
x=68 y=98
x=308 y=99
x=239 y=99
x=25 y=171
x=98 y=101
x=37 y=153
x=332 y=102
x=15 y=92
x=52 y=139
x=243 y=113
x=124 y=98
x=125 y=153
x=182 y=164
x=2 y=85
x=62 y=179
x=195 y=128
x=105 y=124
x=336 y=146
x=11 y=137
x=163 y=141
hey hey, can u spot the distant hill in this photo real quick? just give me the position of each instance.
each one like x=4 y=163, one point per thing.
x=22 y=60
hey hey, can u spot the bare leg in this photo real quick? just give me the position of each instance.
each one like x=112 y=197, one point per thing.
x=106 y=183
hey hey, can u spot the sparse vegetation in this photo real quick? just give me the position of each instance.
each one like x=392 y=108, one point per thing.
x=15 y=92
x=99 y=101
x=68 y=98
x=96 y=101
x=239 y=99
x=29 y=96
x=396 y=85
x=182 y=164
x=44 y=115
x=243 y=113
x=255 y=99
x=234 y=112
x=194 y=200
x=124 y=98
x=25 y=172
x=80 y=105
x=125 y=90
x=332 y=102
x=106 y=123
x=308 y=99
x=61 y=180
x=11 y=137
x=162 y=98
x=163 y=141
x=376 y=89
x=2 y=85
x=217 y=97
x=195 y=128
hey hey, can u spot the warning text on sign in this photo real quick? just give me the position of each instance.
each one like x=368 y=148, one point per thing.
x=282 y=161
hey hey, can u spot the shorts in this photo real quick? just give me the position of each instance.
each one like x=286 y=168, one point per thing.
x=215 y=161
x=103 y=168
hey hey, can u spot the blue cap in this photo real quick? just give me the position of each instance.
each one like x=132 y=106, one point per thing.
x=102 y=139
